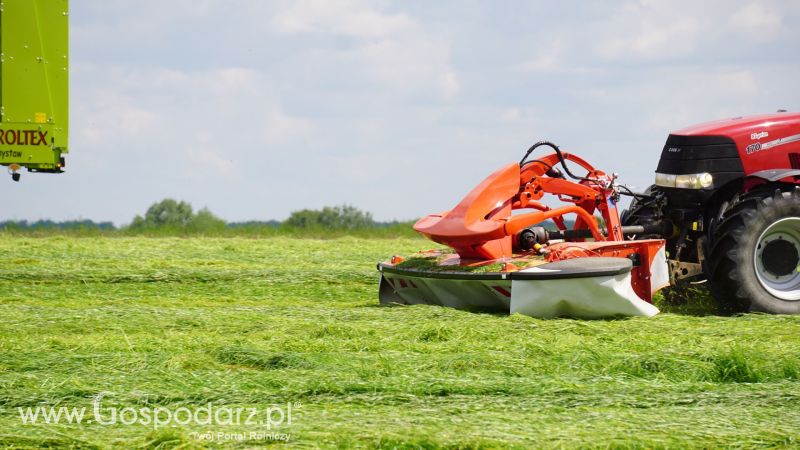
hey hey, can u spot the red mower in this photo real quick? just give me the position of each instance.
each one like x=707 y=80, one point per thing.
x=725 y=207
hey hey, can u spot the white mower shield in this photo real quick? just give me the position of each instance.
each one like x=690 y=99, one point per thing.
x=587 y=288
x=589 y=297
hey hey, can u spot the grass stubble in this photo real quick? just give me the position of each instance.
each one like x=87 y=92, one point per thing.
x=181 y=322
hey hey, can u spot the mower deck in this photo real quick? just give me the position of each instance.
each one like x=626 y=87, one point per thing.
x=590 y=287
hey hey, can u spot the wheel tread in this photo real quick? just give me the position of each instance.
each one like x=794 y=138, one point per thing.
x=730 y=234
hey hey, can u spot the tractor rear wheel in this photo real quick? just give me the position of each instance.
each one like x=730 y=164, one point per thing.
x=754 y=263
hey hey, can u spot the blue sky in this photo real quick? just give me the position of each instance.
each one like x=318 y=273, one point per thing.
x=255 y=109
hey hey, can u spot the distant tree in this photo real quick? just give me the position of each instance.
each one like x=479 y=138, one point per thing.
x=305 y=218
x=172 y=214
x=331 y=217
x=169 y=212
x=206 y=221
x=47 y=224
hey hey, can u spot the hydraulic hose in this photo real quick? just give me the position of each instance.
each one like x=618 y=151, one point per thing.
x=558 y=152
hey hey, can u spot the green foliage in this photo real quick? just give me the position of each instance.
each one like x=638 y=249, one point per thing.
x=49 y=225
x=169 y=214
x=342 y=217
x=204 y=221
x=172 y=218
x=166 y=213
x=243 y=322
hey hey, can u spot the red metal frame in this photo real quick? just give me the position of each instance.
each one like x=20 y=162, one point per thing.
x=482 y=226
x=640 y=275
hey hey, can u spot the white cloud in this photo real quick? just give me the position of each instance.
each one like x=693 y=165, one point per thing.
x=201 y=121
x=341 y=17
x=209 y=162
x=668 y=30
x=652 y=30
x=112 y=117
x=450 y=84
x=758 y=21
x=279 y=127
x=395 y=53
x=548 y=58
x=551 y=59
x=676 y=97
x=411 y=65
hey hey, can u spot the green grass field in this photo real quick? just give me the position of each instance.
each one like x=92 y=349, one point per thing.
x=236 y=322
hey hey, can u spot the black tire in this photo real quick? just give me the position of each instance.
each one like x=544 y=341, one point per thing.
x=738 y=263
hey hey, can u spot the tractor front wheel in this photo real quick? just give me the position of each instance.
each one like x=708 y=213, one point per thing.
x=754 y=262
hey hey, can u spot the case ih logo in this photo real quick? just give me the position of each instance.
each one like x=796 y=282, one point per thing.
x=23 y=137
x=755 y=136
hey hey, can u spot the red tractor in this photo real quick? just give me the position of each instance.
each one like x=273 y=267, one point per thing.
x=725 y=208
x=727 y=197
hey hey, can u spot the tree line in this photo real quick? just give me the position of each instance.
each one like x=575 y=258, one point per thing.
x=172 y=216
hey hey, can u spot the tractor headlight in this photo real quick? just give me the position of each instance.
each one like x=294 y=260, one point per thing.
x=665 y=180
x=689 y=181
